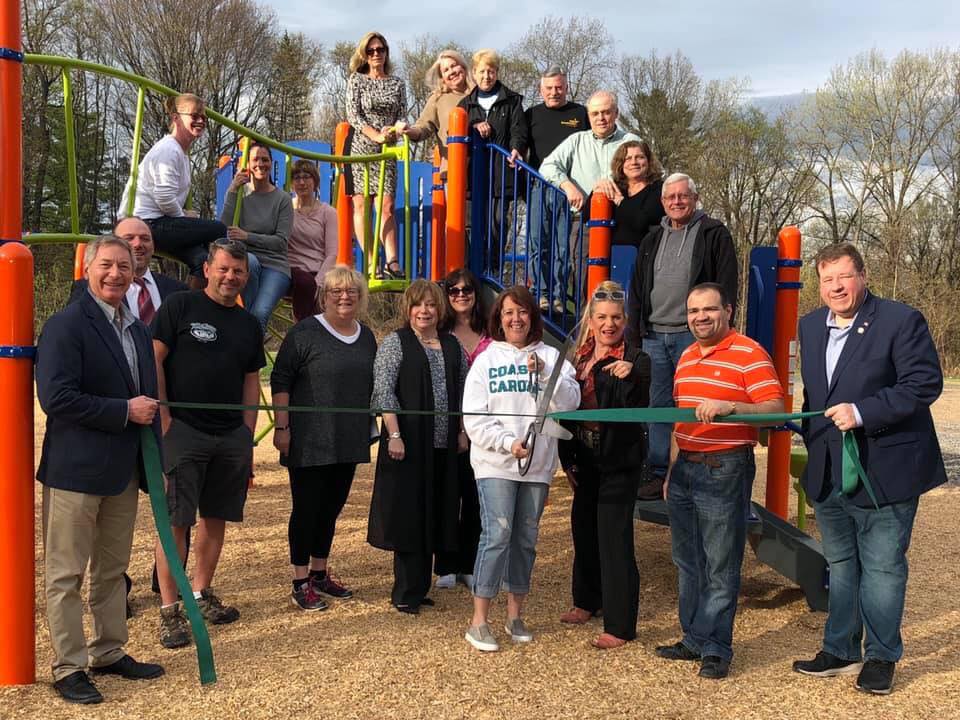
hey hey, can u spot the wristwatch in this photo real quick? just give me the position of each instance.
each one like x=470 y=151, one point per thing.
x=395 y=435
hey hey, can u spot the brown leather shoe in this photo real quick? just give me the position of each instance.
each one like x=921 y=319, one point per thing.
x=576 y=616
x=606 y=641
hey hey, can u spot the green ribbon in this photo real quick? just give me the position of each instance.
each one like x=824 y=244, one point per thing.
x=853 y=471
x=158 y=502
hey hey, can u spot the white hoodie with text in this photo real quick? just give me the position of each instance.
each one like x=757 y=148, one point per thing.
x=499 y=383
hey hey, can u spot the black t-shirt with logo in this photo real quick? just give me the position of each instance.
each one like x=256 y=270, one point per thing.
x=550 y=127
x=211 y=349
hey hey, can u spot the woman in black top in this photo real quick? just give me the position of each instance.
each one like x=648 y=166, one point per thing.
x=325 y=360
x=639 y=178
x=415 y=507
x=602 y=463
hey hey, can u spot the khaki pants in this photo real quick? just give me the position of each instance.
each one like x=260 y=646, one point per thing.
x=79 y=529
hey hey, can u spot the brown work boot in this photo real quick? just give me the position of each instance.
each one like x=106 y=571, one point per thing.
x=174 y=632
x=214 y=611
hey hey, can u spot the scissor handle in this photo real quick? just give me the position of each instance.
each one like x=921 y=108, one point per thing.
x=529 y=442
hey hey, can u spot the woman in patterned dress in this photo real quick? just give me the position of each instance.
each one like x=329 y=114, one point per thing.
x=376 y=102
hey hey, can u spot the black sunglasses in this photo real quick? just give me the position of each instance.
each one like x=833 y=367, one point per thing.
x=453 y=290
x=379 y=50
x=615 y=295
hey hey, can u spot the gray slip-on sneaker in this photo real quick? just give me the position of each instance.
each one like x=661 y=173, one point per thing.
x=518 y=631
x=481 y=637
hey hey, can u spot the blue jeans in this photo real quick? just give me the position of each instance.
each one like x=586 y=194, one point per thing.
x=664 y=350
x=867 y=552
x=265 y=287
x=187 y=239
x=510 y=522
x=548 y=244
x=708 y=531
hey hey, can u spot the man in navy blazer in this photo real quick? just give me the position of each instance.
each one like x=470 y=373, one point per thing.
x=156 y=287
x=872 y=365
x=96 y=382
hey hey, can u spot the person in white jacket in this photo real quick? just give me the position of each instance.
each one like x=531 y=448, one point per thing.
x=505 y=380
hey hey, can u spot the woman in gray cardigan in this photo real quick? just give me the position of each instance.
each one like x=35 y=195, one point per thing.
x=266 y=216
x=325 y=360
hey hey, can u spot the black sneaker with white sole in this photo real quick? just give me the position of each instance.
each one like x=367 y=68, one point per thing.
x=826 y=665
x=876 y=677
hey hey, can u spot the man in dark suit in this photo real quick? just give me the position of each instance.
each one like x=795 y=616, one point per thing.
x=874 y=367
x=147 y=290
x=96 y=382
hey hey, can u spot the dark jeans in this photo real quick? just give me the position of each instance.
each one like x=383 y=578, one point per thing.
x=468 y=525
x=605 y=571
x=867 y=552
x=664 y=350
x=548 y=245
x=708 y=531
x=264 y=290
x=187 y=239
x=319 y=494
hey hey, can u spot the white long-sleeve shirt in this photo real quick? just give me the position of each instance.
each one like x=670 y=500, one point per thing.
x=499 y=383
x=162 y=184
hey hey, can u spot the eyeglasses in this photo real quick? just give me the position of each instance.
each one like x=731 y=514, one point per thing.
x=196 y=117
x=340 y=292
x=378 y=50
x=302 y=176
x=615 y=295
x=455 y=291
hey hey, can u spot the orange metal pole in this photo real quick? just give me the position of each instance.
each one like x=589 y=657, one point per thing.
x=438 y=221
x=344 y=207
x=457 y=139
x=17 y=651
x=78 y=261
x=785 y=362
x=601 y=234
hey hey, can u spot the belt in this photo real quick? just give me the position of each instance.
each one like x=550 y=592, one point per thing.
x=710 y=459
x=590 y=438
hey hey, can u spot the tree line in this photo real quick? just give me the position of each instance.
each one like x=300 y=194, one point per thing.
x=871 y=157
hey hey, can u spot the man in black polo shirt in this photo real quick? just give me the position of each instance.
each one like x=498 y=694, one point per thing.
x=550 y=123
x=208 y=350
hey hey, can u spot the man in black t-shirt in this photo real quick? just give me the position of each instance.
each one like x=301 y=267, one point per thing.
x=208 y=350
x=550 y=123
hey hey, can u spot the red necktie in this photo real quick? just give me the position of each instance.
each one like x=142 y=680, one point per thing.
x=145 y=302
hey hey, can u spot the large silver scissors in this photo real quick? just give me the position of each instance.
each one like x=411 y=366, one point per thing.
x=541 y=424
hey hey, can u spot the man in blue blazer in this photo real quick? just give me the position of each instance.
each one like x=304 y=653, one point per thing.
x=96 y=382
x=147 y=291
x=872 y=364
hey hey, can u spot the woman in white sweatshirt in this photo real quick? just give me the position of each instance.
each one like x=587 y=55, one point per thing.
x=505 y=380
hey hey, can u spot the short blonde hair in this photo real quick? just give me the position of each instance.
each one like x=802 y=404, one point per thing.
x=418 y=292
x=358 y=61
x=173 y=104
x=608 y=286
x=342 y=276
x=488 y=57
x=434 y=79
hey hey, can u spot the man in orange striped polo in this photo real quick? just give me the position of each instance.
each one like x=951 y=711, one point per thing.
x=710 y=474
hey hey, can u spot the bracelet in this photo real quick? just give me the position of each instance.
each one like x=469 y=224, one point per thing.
x=280 y=428
x=395 y=435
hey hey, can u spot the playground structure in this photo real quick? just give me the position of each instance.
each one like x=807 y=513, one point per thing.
x=433 y=222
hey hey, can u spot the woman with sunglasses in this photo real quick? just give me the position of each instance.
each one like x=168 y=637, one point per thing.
x=266 y=216
x=376 y=103
x=313 y=239
x=499 y=401
x=466 y=321
x=602 y=463
x=325 y=360
x=163 y=184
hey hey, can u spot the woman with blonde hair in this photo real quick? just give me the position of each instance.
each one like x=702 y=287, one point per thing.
x=163 y=184
x=638 y=176
x=415 y=507
x=376 y=103
x=325 y=360
x=450 y=82
x=602 y=463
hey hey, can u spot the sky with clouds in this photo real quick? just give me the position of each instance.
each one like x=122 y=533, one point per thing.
x=781 y=46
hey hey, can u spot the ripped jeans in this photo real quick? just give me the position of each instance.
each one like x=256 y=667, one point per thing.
x=510 y=518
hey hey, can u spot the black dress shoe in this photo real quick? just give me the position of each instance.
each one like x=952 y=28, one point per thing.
x=427 y=602
x=77 y=688
x=408 y=609
x=714 y=667
x=677 y=651
x=127 y=667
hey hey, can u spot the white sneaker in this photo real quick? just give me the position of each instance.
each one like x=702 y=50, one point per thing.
x=481 y=637
x=445 y=582
x=466 y=580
